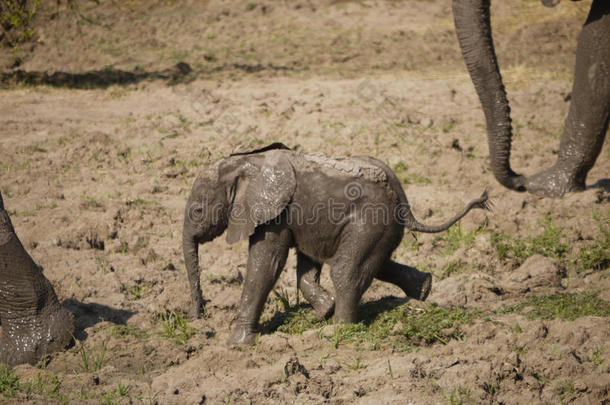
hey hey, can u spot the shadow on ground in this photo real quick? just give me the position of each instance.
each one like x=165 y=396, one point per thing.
x=303 y=313
x=602 y=185
x=97 y=78
x=87 y=315
x=101 y=79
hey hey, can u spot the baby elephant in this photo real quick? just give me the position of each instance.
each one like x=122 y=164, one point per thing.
x=347 y=212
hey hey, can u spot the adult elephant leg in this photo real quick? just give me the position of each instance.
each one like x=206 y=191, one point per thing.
x=308 y=280
x=587 y=121
x=33 y=321
x=266 y=258
x=414 y=283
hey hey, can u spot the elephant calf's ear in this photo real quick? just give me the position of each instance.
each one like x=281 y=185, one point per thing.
x=261 y=196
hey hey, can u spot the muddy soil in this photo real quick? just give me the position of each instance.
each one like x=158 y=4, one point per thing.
x=106 y=121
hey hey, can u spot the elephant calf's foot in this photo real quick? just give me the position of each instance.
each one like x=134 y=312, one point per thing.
x=415 y=284
x=197 y=305
x=554 y=182
x=196 y=312
x=243 y=334
x=323 y=304
x=420 y=288
x=320 y=299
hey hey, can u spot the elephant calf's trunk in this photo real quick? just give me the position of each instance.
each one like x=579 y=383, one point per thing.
x=190 y=248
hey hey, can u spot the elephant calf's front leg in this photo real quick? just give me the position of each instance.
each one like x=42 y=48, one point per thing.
x=267 y=255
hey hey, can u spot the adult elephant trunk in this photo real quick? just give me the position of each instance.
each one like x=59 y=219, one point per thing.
x=473 y=29
x=190 y=248
x=33 y=321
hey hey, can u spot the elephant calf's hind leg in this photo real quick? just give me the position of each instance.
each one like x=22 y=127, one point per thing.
x=414 y=283
x=308 y=280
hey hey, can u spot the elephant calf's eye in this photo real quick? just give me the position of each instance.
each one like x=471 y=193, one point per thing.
x=196 y=213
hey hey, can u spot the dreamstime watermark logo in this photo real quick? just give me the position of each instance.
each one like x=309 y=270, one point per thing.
x=331 y=211
x=404 y=125
x=218 y=113
x=402 y=214
x=385 y=107
x=203 y=103
x=386 y=114
x=353 y=191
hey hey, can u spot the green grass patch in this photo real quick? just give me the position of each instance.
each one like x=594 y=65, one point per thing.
x=297 y=321
x=461 y=395
x=9 y=381
x=448 y=126
x=596 y=357
x=45 y=384
x=568 y=306
x=423 y=326
x=16 y=21
x=28 y=213
x=48 y=385
x=565 y=389
x=140 y=201
x=415 y=178
x=92 y=359
x=115 y=396
x=455 y=237
x=385 y=322
x=139 y=291
x=596 y=255
x=551 y=242
x=401 y=171
x=125 y=331
x=89 y=203
x=175 y=326
x=42 y=206
x=451 y=268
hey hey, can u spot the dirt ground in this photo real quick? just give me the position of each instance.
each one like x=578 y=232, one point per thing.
x=107 y=117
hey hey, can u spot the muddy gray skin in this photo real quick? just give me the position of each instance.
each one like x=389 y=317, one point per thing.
x=33 y=322
x=587 y=121
x=349 y=213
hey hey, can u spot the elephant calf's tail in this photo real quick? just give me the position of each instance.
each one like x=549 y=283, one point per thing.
x=482 y=202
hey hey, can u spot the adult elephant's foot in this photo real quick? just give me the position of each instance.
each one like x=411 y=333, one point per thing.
x=243 y=334
x=27 y=339
x=554 y=182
